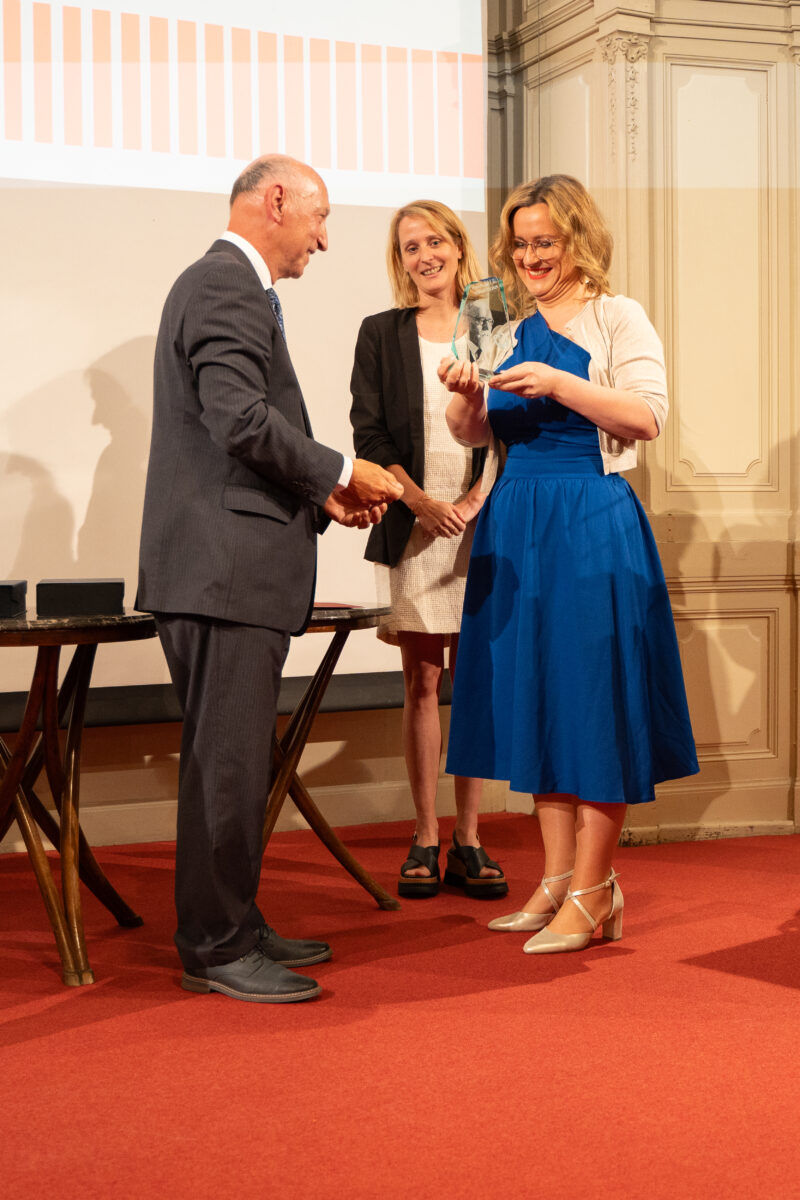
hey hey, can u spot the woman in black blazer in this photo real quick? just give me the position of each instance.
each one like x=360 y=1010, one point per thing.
x=422 y=545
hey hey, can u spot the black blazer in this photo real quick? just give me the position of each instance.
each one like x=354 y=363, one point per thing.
x=235 y=478
x=387 y=417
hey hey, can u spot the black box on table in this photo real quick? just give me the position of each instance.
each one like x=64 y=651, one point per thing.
x=13 y=597
x=80 y=597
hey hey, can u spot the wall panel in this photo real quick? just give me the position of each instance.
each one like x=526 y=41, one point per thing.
x=694 y=133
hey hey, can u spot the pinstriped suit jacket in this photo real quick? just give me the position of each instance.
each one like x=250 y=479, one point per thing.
x=235 y=478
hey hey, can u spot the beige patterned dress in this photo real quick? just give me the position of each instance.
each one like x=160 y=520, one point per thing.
x=426 y=588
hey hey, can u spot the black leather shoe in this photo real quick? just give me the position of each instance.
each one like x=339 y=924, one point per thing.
x=253 y=977
x=292 y=952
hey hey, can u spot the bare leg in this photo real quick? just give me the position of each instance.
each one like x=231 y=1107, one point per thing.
x=423 y=664
x=468 y=791
x=598 y=827
x=557 y=816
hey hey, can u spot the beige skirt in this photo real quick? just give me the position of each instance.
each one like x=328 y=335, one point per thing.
x=426 y=588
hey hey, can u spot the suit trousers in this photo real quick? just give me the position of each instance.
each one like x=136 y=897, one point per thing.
x=227 y=677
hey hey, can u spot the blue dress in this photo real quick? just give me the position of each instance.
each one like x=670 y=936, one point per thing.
x=568 y=677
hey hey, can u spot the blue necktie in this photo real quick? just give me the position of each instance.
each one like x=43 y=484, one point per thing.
x=275 y=305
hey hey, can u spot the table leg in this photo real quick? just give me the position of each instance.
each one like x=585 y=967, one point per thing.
x=14 y=764
x=287 y=753
x=295 y=736
x=65 y=921
x=70 y=971
x=89 y=869
x=322 y=829
x=70 y=803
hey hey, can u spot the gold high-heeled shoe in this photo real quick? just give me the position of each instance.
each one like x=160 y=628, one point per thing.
x=548 y=942
x=526 y=922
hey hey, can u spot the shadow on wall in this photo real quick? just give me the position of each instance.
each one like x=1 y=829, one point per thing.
x=73 y=480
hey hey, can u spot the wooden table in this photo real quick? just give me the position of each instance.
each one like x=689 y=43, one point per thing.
x=33 y=750
x=340 y=620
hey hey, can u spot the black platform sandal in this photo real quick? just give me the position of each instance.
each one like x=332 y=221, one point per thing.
x=415 y=887
x=463 y=870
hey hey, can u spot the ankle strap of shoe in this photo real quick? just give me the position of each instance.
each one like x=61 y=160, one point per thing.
x=553 y=879
x=598 y=886
x=585 y=892
x=557 y=878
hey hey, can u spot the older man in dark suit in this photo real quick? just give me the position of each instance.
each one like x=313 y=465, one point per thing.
x=237 y=490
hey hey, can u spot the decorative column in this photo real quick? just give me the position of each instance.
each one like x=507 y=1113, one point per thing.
x=626 y=174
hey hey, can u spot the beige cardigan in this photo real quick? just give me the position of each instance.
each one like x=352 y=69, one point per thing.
x=626 y=353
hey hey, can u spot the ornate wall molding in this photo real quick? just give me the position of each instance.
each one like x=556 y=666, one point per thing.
x=632 y=107
x=630 y=46
x=612 y=110
x=623 y=52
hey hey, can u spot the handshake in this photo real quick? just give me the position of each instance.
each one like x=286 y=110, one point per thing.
x=365 y=499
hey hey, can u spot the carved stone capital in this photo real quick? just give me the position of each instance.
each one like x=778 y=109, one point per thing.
x=794 y=52
x=630 y=46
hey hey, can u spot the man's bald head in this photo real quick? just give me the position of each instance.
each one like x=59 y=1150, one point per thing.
x=280 y=205
x=275 y=168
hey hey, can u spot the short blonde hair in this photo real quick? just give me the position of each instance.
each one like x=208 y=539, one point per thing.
x=443 y=221
x=579 y=222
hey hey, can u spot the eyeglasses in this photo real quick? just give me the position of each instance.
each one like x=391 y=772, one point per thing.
x=541 y=247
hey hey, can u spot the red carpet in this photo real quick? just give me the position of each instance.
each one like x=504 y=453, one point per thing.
x=439 y=1060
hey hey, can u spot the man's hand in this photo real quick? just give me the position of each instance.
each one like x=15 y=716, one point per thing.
x=369 y=485
x=341 y=509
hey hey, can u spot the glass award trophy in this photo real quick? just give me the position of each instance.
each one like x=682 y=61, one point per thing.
x=483 y=318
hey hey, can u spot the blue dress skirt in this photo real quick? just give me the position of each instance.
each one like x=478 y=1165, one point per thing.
x=568 y=676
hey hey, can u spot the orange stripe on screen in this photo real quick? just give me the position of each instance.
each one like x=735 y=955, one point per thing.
x=423 y=119
x=346 y=112
x=447 y=110
x=397 y=109
x=73 y=76
x=294 y=97
x=472 y=86
x=372 y=108
x=320 y=56
x=267 y=93
x=12 y=70
x=215 y=90
x=131 y=82
x=101 y=77
x=187 y=88
x=242 y=94
x=159 y=84
x=42 y=73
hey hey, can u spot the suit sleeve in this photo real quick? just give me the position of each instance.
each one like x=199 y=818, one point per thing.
x=227 y=343
x=371 y=436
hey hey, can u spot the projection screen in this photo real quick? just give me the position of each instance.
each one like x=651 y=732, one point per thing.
x=122 y=127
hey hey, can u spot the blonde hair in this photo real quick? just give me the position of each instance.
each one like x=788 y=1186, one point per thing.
x=443 y=221
x=579 y=222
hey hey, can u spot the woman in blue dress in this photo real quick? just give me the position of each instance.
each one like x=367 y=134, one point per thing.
x=569 y=682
